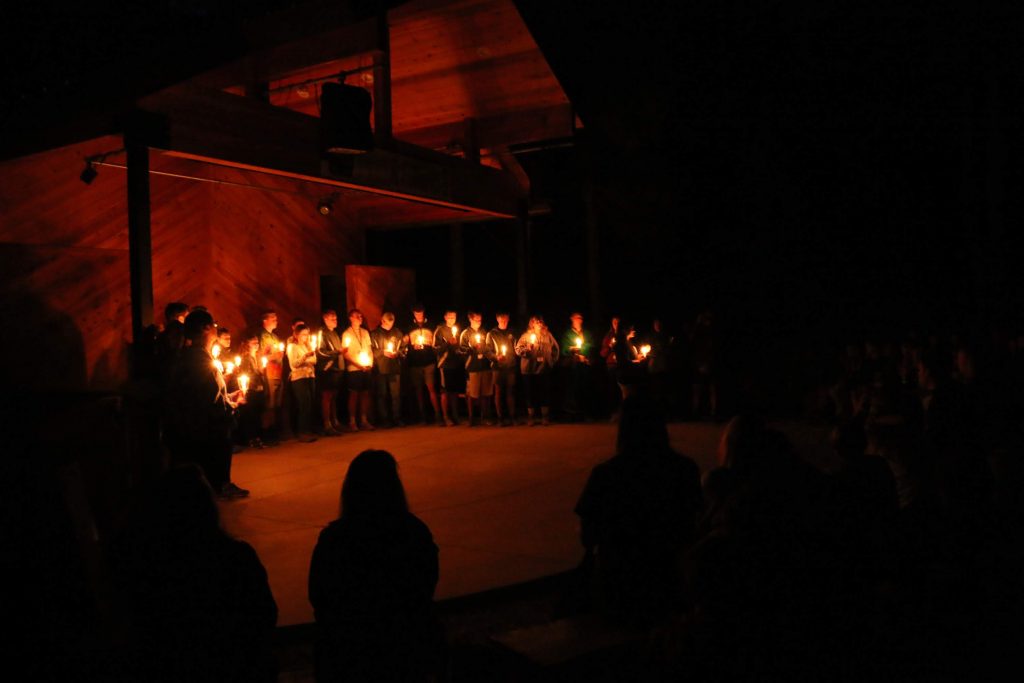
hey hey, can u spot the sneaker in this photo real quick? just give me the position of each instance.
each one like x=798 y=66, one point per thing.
x=230 y=491
x=448 y=422
x=366 y=426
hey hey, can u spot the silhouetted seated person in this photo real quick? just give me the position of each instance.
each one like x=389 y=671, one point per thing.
x=371 y=583
x=199 y=602
x=638 y=513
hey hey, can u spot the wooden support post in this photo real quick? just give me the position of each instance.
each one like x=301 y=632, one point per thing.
x=140 y=243
x=458 y=266
x=382 y=83
x=522 y=226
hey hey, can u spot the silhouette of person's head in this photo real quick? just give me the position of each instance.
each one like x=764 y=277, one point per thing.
x=372 y=487
x=742 y=442
x=642 y=429
x=182 y=505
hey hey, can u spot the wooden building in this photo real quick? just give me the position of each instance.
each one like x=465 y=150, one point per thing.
x=208 y=185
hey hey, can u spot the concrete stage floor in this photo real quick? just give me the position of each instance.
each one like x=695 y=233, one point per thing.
x=499 y=501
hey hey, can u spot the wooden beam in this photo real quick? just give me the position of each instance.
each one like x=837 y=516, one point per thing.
x=229 y=130
x=511 y=128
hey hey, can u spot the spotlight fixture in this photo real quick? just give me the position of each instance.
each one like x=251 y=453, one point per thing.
x=89 y=173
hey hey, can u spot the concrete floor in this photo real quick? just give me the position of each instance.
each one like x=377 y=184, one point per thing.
x=498 y=501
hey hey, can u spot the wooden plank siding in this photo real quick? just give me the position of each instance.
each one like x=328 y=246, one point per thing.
x=64 y=259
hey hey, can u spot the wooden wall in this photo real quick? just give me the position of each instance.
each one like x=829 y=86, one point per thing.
x=64 y=260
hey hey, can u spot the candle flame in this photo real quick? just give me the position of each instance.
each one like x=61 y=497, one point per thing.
x=243 y=383
x=217 y=364
x=579 y=342
x=364 y=359
x=216 y=351
x=645 y=349
x=280 y=347
x=345 y=341
x=504 y=349
x=238 y=361
x=477 y=339
x=229 y=367
x=263 y=361
x=455 y=330
x=391 y=346
x=533 y=339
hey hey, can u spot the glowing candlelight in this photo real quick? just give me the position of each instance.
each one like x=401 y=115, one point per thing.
x=238 y=361
x=391 y=347
x=312 y=341
x=419 y=338
x=504 y=349
x=645 y=349
x=345 y=341
x=533 y=339
x=243 y=383
x=280 y=347
x=216 y=351
x=579 y=342
x=217 y=364
x=477 y=338
x=263 y=362
x=229 y=367
x=455 y=331
x=364 y=359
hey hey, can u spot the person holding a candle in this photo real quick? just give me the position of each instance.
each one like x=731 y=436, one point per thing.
x=538 y=354
x=450 y=362
x=388 y=350
x=329 y=371
x=503 y=342
x=421 y=361
x=577 y=347
x=200 y=410
x=358 y=366
x=249 y=414
x=480 y=355
x=301 y=379
x=270 y=348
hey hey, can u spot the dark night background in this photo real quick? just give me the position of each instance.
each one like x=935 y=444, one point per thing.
x=815 y=172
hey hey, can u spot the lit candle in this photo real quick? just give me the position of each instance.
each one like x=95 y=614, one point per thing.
x=345 y=341
x=533 y=339
x=391 y=347
x=455 y=331
x=364 y=359
x=504 y=349
x=238 y=361
x=477 y=338
x=312 y=341
x=217 y=364
x=579 y=342
x=216 y=351
x=419 y=338
x=280 y=347
x=645 y=349
x=263 y=362
x=229 y=367
x=243 y=383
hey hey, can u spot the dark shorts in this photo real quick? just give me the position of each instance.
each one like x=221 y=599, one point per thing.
x=423 y=375
x=329 y=381
x=358 y=380
x=505 y=378
x=453 y=379
x=480 y=384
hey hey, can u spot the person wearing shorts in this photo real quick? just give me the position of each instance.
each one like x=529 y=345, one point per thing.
x=503 y=342
x=480 y=356
x=358 y=366
x=450 y=362
x=421 y=362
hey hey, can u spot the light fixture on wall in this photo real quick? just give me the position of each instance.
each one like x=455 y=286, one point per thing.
x=88 y=173
x=326 y=205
